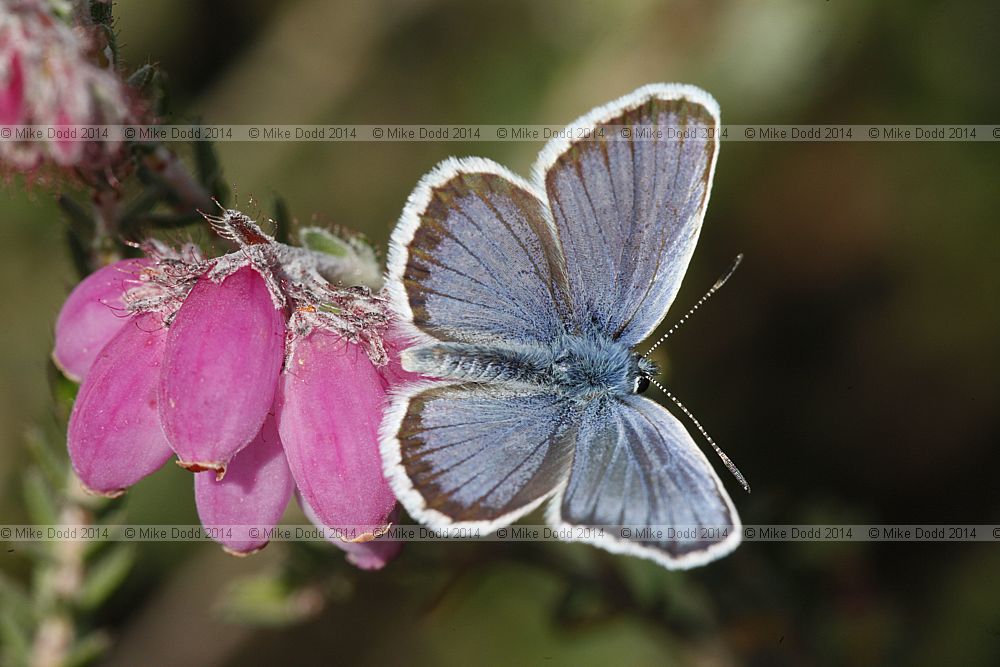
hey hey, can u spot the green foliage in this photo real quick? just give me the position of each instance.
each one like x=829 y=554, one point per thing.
x=269 y=600
x=105 y=576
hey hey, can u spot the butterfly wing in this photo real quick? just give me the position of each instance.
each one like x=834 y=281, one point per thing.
x=628 y=206
x=474 y=258
x=475 y=455
x=635 y=465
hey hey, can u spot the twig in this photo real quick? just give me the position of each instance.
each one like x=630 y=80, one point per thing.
x=60 y=584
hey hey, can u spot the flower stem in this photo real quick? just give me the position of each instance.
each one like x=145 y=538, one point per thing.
x=59 y=584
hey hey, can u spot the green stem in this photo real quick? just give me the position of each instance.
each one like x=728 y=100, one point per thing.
x=105 y=247
x=59 y=584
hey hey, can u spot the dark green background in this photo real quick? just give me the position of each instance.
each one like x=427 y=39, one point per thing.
x=850 y=368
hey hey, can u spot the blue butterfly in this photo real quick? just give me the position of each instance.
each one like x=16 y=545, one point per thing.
x=525 y=299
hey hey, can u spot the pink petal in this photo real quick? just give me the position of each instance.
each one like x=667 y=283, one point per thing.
x=370 y=555
x=253 y=494
x=114 y=434
x=66 y=150
x=329 y=405
x=12 y=94
x=223 y=356
x=92 y=315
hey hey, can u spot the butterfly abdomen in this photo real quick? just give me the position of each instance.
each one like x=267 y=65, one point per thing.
x=579 y=367
x=529 y=365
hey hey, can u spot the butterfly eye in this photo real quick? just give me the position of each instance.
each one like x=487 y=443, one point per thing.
x=641 y=384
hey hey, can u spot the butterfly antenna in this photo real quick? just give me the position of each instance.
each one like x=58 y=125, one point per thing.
x=708 y=295
x=701 y=429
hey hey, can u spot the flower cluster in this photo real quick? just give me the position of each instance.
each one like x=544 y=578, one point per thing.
x=48 y=77
x=259 y=370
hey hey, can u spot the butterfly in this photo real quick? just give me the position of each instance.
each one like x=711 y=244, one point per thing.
x=524 y=301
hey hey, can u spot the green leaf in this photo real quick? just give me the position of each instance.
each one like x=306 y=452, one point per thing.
x=16 y=603
x=112 y=39
x=269 y=600
x=210 y=170
x=78 y=253
x=321 y=240
x=63 y=391
x=81 y=222
x=347 y=258
x=39 y=499
x=105 y=577
x=148 y=81
x=52 y=466
x=88 y=650
x=142 y=77
x=282 y=220
x=138 y=208
x=13 y=640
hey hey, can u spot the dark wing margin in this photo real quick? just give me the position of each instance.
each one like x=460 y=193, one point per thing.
x=472 y=455
x=474 y=258
x=636 y=467
x=628 y=203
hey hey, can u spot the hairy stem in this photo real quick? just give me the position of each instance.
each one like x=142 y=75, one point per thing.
x=59 y=584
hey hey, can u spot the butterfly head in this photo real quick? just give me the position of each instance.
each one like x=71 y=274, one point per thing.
x=641 y=371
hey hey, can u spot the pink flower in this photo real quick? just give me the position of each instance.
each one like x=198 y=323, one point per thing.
x=329 y=427
x=114 y=434
x=253 y=370
x=47 y=78
x=11 y=89
x=93 y=313
x=224 y=353
x=255 y=491
x=366 y=554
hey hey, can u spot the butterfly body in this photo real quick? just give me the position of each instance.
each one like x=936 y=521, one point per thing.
x=580 y=368
x=523 y=301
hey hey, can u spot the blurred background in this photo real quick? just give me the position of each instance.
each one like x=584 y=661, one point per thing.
x=850 y=368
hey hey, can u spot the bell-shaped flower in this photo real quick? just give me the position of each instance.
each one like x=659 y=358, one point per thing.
x=251 y=498
x=369 y=553
x=329 y=407
x=114 y=434
x=200 y=354
x=223 y=356
x=92 y=314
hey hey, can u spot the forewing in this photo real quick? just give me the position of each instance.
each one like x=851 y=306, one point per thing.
x=474 y=258
x=628 y=201
x=471 y=455
x=636 y=466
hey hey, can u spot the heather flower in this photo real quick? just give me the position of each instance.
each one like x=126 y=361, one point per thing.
x=93 y=313
x=255 y=490
x=223 y=356
x=338 y=470
x=368 y=553
x=114 y=434
x=47 y=77
x=255 y=369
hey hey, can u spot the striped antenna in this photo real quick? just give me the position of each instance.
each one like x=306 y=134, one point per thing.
x=701 y=429
x=708 y=295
